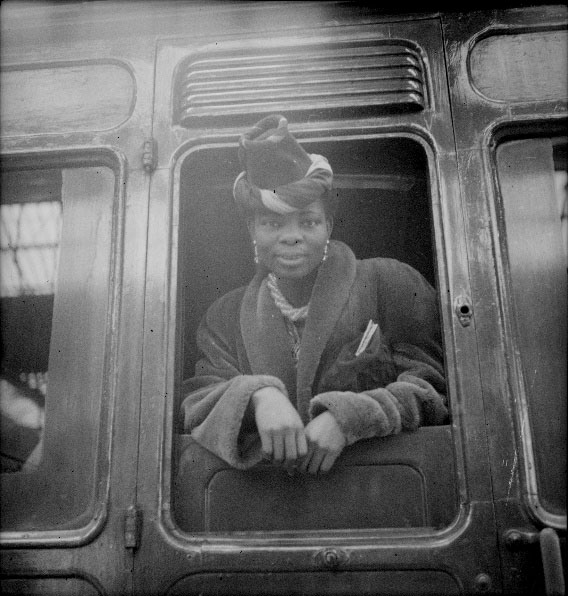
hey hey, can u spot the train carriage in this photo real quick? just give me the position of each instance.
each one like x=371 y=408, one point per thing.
x=119 y=129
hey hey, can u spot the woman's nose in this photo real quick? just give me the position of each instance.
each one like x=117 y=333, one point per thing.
x=291 y=234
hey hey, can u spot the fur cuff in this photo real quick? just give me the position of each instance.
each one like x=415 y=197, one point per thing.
x=360 y=415
x=406 y=404
x=433 y=409
x=221 y=433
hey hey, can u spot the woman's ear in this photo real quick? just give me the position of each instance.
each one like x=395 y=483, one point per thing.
x=329 y=222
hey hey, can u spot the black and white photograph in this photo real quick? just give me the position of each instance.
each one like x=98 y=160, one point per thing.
x=283 y=298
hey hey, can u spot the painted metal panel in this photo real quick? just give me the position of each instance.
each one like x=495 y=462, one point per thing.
x=480 y=124
x=67 y=97
x=111 y=122
x=366 y=583
x=49 y=586
x=521 y=67
x=396 y=481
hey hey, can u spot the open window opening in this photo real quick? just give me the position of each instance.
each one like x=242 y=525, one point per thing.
x=384 y=211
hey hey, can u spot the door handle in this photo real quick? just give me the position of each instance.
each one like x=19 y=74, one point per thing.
x=550 y=555
x=552 y=562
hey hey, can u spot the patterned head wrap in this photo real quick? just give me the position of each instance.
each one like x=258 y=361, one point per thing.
x=278 y=173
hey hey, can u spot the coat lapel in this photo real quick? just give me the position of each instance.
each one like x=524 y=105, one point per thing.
x=330 y=294
x=265 y=337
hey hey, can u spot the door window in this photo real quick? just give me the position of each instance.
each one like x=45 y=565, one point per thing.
x=532 y=176
x=57 y=237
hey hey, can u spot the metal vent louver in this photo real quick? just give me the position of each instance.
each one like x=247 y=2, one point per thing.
x=372 y=77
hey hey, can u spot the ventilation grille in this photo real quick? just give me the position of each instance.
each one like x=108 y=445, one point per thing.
x=371 y=78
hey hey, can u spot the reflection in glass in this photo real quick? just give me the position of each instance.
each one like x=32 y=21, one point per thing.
x=30 y=217
x=561 y=183
x=29 y=248
x=532 y=176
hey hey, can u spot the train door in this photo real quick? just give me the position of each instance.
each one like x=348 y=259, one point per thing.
x=508 y=91
x=407 y=514
x=75 y=114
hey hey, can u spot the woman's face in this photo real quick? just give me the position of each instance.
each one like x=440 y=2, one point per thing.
x=291 y=245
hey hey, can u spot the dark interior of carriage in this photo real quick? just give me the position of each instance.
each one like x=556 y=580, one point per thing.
x=384 y=190
x=384 y=210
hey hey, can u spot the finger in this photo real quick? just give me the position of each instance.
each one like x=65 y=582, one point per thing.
x=315 y=462
x=301 y=443
x=278 y=446
x=303 y=467
x=328 y=462
x=290 y=447
x=266 y=442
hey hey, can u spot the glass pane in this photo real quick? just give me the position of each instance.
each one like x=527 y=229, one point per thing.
x=532 y=174
x=30 y=217
x=561 y=187
x=57 y=250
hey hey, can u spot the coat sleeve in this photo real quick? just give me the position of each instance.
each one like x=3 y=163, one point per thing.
x=409 y=389
x=215 y=407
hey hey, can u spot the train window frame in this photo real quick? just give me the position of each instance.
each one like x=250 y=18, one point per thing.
x=526 y=430
x=432 y=202
x=72 y=514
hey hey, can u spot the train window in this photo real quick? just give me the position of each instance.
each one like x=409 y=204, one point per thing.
x=30 y=214
x=532 y=175
x=384 y=190
x=55 y=248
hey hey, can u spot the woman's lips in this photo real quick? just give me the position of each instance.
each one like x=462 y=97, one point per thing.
x=290 y=259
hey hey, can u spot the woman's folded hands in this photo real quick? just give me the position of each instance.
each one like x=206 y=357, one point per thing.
x=284 y=439
x=341 y=418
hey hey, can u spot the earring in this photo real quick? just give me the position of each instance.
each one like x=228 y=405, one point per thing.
x=255 y=252
x=325 y=251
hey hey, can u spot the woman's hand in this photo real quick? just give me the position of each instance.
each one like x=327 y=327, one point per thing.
x=325 y=443
x=279 y=426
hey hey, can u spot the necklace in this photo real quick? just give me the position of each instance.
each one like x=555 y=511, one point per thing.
x=289 y=311
x=292 y=316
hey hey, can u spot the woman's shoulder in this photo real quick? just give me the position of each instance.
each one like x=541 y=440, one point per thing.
x=393 y=276
x=386 y=266
x=228 y=303
x=222 y=316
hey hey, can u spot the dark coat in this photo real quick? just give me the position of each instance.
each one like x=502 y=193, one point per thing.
x=396 y=384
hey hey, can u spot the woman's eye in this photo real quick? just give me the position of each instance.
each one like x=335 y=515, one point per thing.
x=310 y=223
x=270 y=223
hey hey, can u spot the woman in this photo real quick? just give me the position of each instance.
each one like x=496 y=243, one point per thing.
x=319 y=350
